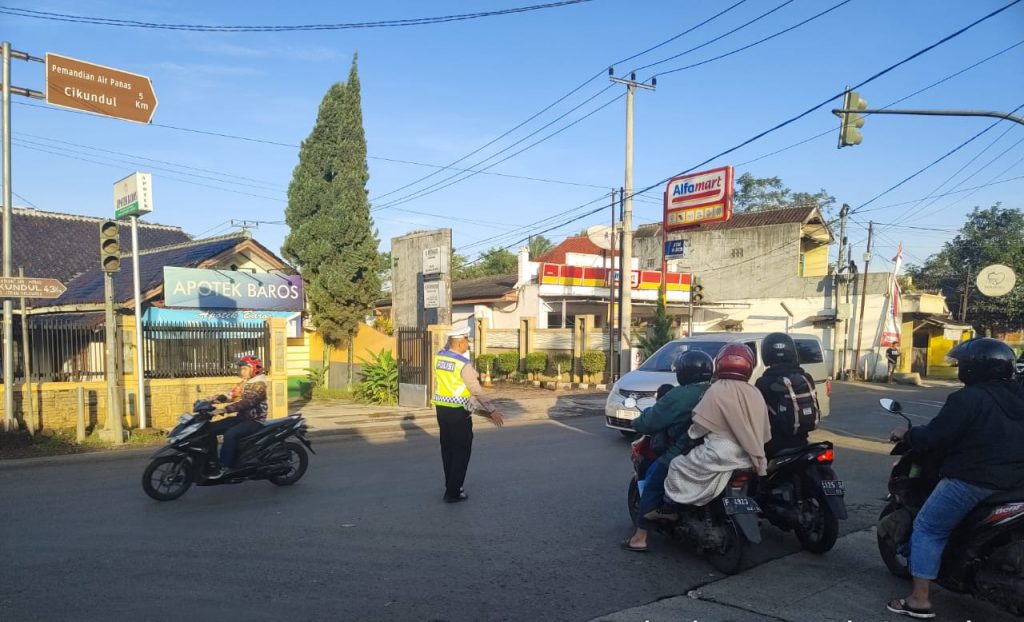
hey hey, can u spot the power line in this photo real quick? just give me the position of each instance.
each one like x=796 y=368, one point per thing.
x=390 y=23
x=558 y=101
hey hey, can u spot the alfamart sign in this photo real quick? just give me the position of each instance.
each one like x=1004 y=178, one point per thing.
x=229 y=289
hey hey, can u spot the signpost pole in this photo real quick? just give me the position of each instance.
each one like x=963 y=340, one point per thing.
x=8 y=303
x=30 y=424
x=140 y=395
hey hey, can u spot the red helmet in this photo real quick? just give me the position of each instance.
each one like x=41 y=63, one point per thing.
x=253 y=363
x=735 y=361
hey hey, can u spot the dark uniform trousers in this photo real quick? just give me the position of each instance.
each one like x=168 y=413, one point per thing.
x=456 y=426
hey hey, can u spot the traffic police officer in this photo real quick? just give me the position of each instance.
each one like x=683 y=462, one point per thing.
x=457 y=392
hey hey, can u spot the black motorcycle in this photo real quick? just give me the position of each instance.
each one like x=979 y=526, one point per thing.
x=802 y=493
x=985 y=554
x=190 y=455
x=721 y=529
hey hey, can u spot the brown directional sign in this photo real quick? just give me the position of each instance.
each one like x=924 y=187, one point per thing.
x=76 y=84
x=28 y=287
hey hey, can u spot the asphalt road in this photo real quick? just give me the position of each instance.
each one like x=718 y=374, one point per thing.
x=365 y=534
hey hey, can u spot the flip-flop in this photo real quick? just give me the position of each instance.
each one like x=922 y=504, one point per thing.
x=636 y=549
x=900 y=607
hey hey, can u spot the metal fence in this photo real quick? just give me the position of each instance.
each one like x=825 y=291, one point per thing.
x=193 y=350
x=413 y=354
x=65 y=349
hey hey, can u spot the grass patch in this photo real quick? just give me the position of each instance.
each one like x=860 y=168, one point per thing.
x=59 y=443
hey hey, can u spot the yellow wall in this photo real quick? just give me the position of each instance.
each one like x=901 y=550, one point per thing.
x=298 y=355
x=938 y=348
x=815 y=260
x=367 y=340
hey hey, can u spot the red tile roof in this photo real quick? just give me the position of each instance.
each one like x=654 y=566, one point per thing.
x=575 y=244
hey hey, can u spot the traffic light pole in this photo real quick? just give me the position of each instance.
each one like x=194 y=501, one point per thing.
x=8 y=303
x=935 y=113
x=114 y=427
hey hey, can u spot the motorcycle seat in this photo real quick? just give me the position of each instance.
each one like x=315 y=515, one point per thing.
x=271 y=423
x=799 y=450
x=1008 y=496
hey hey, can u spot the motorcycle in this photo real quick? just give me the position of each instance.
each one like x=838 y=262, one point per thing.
x=721 y=529
x=190 y=455
x=985 y=553
x=802 y=493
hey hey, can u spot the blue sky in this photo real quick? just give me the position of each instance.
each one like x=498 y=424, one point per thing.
x=432 y=94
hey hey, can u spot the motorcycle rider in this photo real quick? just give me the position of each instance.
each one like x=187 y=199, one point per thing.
x=732 y=418
x=669 y=418
x=788 y=391
x=249 y=400
x=978 y=433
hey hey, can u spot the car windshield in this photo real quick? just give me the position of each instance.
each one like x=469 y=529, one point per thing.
x=662 y=359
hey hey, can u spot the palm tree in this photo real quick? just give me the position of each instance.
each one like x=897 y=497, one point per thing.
x=539 y=245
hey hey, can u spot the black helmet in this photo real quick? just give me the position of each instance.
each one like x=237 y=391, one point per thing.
x=694 y=366
x=983 y=358
x=778 y=348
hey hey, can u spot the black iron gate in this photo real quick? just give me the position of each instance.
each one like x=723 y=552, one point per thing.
x=413 y=355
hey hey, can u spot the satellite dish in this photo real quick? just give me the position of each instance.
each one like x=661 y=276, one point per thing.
x=600 y=235
x=996 y=280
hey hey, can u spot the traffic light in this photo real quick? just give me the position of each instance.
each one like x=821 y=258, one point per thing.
x=851 y=121
x=110 y=246
x=696 y=290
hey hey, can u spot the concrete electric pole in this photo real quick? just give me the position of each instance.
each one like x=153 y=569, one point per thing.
x=626 y=253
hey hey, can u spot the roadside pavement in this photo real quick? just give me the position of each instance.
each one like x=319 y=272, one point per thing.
x=848 y=584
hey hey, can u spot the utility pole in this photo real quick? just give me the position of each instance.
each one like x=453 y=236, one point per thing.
x=863 y=300
x=626 y=263
x=837 y=362
x=967 y=289
x=9 y=423
x=622 y=283
x=611 y=298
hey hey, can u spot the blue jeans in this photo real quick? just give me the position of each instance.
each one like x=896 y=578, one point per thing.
x=948 y=504
x=233 y=429
x=653 y=494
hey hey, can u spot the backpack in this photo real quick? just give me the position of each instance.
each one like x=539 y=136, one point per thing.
x=797 y=404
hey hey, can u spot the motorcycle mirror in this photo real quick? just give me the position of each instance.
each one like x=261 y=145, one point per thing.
x=891 y=405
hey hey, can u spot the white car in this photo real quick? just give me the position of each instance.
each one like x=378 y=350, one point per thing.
x=636 y=390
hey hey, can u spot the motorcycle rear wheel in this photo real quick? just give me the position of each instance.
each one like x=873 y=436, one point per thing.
x=633 y=500
x=822 y=535
x=727 y=560
x=888 y=549
x=167 y=478
x=298 y=462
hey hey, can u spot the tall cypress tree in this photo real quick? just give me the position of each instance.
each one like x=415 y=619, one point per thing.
x=332 y=238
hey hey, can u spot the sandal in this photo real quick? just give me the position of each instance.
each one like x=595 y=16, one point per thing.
x=900 y=607
x=630 y=547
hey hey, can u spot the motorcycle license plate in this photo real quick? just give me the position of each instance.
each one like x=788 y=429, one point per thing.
x=740 y=505
x=833 y=487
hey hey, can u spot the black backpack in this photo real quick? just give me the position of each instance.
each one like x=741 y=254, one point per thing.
x=796 y=411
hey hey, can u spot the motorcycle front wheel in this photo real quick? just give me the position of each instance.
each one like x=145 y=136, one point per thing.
x=633 y=499
x=728 y=558
x=297 y=461
x=167 y=478
x=820 y=535
x=897 y=564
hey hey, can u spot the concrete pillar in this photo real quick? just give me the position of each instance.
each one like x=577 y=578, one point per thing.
x=277 y=373
x=483 y=325
x=526 y=340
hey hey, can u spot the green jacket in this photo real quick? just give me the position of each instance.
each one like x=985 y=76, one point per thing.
x=672 y=414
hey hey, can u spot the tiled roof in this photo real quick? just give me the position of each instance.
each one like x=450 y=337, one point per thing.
x=484 y=288
x=62 y=246
x=575 y=244
x=88 y=287
x=789 y=215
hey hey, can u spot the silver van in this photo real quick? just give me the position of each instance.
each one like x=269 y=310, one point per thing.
x=636 y=390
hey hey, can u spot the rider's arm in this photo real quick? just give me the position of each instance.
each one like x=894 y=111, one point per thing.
x=668 y=411
x=946 y=429
x=253 y=393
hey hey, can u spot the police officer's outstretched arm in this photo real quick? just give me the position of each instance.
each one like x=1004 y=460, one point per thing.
x=472 y=380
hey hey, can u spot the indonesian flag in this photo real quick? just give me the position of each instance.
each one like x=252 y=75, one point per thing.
x=893 y=317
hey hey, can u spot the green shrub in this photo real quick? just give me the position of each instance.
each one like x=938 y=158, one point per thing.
x=380 y=379
x=536 y=363
x=485 y=363
x=508 y=362
x=593 y=362
x=561 y=363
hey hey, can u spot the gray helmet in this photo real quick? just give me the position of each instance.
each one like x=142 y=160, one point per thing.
x=778 y=348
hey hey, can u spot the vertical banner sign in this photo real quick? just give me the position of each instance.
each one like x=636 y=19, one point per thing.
x=699 y=198
x=893 y=316
x=133 y=195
